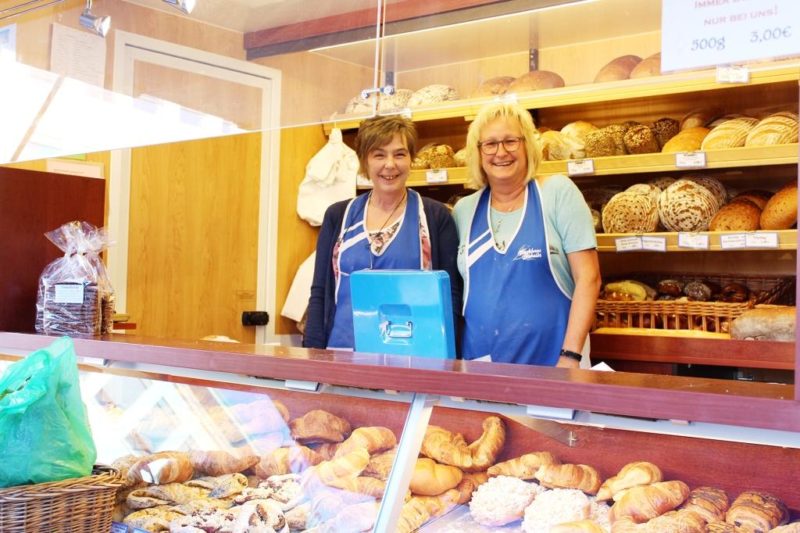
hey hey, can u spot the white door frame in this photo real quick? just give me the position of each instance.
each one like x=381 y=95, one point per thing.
x=130 y=47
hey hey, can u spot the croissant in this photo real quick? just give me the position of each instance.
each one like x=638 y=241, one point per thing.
x=419 y=509
x=579 y=526
x=431 y=479
x=581 y=477
x=218 y=462
x=721 y=527
x=439 y=445
x=287 y=461
x=485 y=450
x=649 y=501
x=350 y=465
x=373 y=439
x=708 y=502
x=524 y=466
x=327 y=449
x=631 y=475
x=361 y=485
x=162 y=468
x=758 y=511
x=682 y=521
x=469 y=484
x=319 y=426
x=380 y=465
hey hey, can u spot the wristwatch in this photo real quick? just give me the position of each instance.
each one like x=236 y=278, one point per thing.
x=572 y=355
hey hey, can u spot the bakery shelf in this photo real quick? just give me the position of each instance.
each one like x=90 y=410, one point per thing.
x=746 y=156
x=787 y=240
x=589 y=93
x=417 y=178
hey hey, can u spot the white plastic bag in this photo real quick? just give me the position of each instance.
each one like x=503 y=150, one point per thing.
x=330 y=177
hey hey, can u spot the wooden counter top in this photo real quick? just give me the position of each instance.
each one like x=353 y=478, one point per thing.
x=761 y=405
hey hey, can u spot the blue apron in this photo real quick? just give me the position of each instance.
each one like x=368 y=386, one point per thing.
x=404 y=251
x=514 y=309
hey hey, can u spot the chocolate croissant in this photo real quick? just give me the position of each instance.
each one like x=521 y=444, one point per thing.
x=708 y=502
x=759 y=511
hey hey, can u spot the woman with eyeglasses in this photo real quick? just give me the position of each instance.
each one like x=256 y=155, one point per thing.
x=390 y=227
x=527 y=251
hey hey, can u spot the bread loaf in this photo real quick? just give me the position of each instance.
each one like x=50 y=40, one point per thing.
x=765 y=323
x=600 y=143
x=640 y=140
x=686 y=206
x=631 y=475
x=649 y=501
x=739 y=215
x=714 y=186
x=554 y=146
x=319 y=426
x=536 y=80
x=524 y=466
x=430 y=478
x=781 y=210
x=432 y=94
x=569 y=476
x=730 y=134
x=493 y=87
x=757 y=511
x=760 y=198
x=699 y=118
x=649 y=66
x=778 y=128
x=665 y=129
x=688 y=140
x=629 y=212
x=617 y=69
x=575 y=135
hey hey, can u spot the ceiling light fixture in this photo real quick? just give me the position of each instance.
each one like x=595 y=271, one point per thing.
x=99 y=25
x=185 y=6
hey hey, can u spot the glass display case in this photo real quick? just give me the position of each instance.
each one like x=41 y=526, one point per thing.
x=425 y=438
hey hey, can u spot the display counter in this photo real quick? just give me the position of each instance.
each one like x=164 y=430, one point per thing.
x=146 y=396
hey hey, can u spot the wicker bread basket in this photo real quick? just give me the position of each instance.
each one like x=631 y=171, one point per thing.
x=77 y=505
x=692 y=315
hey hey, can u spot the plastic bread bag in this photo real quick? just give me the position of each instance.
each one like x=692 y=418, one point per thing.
x=44 y=428
x=75 y=296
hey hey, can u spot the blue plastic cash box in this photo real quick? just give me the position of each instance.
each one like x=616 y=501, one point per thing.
x=403 y=312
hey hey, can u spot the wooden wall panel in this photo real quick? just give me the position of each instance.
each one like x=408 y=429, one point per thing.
x=32 y=203
x=193 y=237
x=297 y=239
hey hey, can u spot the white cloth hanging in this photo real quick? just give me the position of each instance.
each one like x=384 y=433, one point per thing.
x=297 y=299
x=330 y=177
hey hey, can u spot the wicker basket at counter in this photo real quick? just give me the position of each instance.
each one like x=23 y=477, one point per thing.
x=692 y=315
x=77 y=505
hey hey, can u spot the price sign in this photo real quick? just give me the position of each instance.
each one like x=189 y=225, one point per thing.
x=695 y=241
x=701 y=33
x=690 y=160
x=762 y=239
x=580 y=167
x=733 y=241
x=628 y=244
x=654 y=244
x=438 y=175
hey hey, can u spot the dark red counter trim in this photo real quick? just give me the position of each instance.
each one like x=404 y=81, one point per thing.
x=758 y=405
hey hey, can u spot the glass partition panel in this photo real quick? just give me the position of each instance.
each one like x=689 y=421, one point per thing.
x=148 y=73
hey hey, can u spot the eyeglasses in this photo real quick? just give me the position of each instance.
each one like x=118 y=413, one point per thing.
x=490 y=147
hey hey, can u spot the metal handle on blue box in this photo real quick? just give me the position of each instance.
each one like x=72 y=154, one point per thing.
x=404 y=330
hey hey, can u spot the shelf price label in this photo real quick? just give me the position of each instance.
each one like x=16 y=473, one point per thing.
x=702 y=33
x=438 y=175
x=733 y=241
x=693 y=241
x=654 y=244
x=733 y=75
x=580 y=167
x=690 y=160
x=628 y=244
x=761 y=239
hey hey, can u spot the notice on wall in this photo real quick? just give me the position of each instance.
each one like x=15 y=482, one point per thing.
x=702 y=33
x=78 y=54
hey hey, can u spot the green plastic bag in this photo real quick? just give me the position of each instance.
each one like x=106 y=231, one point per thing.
x=44 y=428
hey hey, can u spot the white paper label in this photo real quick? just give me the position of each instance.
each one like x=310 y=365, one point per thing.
x=580 y=167
x=700 y=33
x=69 y=293
x=690 y=159
x=695 y=241
x=733 y=75
x=654 y=244
x=762 y=239
x=438 y=175
x=733 y=241
x=628 y=244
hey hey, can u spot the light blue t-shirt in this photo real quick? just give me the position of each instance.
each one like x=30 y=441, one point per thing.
x=568 y=223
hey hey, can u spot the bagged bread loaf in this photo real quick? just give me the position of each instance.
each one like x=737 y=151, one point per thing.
x=765 y=323
x=618 y=68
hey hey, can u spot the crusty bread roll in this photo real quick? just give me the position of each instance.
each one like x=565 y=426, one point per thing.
x=640 y=140
x=649 y=66
x=781 y=210
x=739 y=215
x=778 y=128
x=617 y=69
x=765 y=323
x=431 y=478
x=631 y=475
x=493 y=87
x=536 y=80
x=554 y=146
x=758 y=197
x=649 y=501
x=730 y=134
x=688 y=140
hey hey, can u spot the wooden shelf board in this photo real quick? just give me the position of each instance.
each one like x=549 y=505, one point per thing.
x=455 y=176
x=787 y=240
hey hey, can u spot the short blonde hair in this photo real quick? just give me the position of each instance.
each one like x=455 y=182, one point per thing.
x=490 y=113
x=375 y=132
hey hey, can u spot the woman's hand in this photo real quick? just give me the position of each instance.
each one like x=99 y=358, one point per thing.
x=567 y=362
